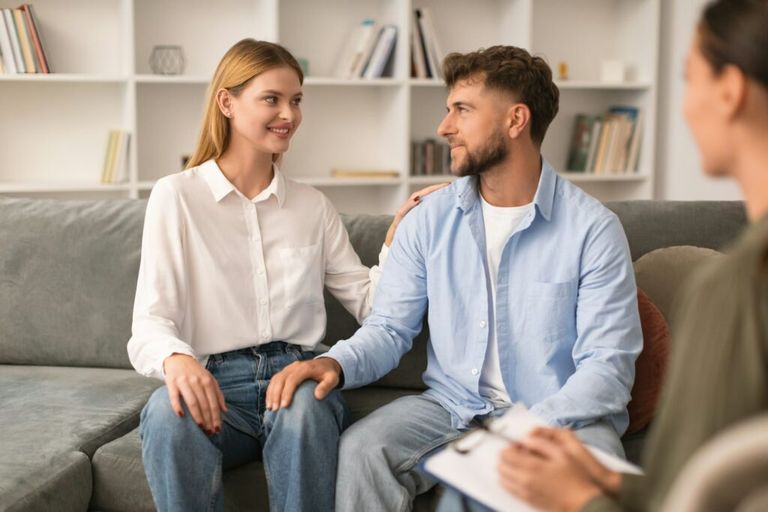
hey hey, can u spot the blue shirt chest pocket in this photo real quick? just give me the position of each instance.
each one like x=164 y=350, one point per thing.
x=550 y=311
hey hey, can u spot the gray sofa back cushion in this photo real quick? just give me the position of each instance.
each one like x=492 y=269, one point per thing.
x=68 y=273
x=67 y=280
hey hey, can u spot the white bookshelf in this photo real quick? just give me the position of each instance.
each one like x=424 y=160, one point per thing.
x=54 y=127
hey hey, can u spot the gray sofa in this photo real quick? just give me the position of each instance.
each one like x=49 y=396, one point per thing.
x=69 y=400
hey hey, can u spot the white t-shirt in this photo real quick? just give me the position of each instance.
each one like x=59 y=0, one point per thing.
x=500 y=224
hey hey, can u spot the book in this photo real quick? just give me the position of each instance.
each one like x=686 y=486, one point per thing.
x=597 y=128
x=434 y=48
x=10 y=26
x=106 y=173
x=634 y=145
x=24 y=42
x=36 y=38
x=120 y=174
x=9 y=62
x=429 y=56
x=470 y=465
x=417 y=51
x=364 y=173
x=382 y=53
x=581 y=140
x=352 y=52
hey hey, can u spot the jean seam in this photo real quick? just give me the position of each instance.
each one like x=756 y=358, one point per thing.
x=411 y=462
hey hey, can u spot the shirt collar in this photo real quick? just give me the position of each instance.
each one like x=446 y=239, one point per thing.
x=221 y=187
x=467 y=191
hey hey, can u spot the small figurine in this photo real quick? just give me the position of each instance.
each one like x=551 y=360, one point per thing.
x=562 y=71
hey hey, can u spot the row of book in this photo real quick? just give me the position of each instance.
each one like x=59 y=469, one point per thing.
x=426 y=51
x=430 y=157
x=21 y=44
x=608 y=143
x=369 y=52
x=116 y=157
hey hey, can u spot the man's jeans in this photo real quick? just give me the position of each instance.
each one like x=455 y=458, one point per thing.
x=299 y=445
x=378 y=455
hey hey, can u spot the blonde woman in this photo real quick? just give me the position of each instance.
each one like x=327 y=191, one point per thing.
x=235 y=257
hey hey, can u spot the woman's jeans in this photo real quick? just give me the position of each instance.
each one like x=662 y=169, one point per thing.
x=299 y=444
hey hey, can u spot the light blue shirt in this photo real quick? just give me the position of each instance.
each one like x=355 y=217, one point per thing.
x=567 y=322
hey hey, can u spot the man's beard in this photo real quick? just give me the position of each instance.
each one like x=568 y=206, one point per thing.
x=490 y=155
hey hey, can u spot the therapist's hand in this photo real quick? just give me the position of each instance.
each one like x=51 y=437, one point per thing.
x=186 y=379
x=326 y=371
x=407 y=206
x=547 y=471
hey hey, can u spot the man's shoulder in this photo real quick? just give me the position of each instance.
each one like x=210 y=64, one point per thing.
x=575 y=204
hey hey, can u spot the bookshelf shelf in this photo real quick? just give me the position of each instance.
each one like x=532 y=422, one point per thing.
x=340 y=82
x=172 y=80
x=431 y=180
x=577 y=177
x=348 y=182
x=15 y=188
x=597 y=85
x=66 y=78
x=103 y=82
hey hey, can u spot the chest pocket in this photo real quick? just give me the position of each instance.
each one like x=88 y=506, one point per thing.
x=302 y=274
x=550 y=310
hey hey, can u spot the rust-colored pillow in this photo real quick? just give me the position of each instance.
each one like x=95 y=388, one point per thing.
x=651 y=365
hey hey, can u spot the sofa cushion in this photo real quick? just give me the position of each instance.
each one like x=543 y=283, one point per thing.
x=661 y=273
x=44 y=481
x=49 y=410
x=651 y=365
x=67 y=280
x=651 y=225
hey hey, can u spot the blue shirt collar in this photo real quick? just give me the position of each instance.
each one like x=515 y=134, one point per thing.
x=467 y=191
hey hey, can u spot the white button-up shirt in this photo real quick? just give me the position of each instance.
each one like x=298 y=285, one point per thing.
x=221 y=272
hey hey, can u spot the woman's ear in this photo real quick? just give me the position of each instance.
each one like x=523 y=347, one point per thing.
x=518 y=118
x=732 y=91
x=224 y=102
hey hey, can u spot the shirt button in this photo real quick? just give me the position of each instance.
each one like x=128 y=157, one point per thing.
x=261 y=271
x=483 y=323
x=474 y=371
x=263 y=302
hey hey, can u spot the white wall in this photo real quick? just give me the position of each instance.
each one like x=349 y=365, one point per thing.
x=678 y=166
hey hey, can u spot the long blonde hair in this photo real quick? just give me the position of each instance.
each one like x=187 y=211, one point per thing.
x=245 y=60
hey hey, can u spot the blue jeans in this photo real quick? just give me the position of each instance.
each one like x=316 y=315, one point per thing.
x=378 y=455
x=298 y=445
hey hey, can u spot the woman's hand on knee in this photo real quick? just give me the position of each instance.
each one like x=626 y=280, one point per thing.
x=325 y=371
x=186 y=379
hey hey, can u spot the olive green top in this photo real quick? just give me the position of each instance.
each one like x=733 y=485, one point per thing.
x=718 y=373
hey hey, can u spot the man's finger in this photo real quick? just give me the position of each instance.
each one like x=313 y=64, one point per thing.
x=326 y=385
x=291 y=383
x=275 y=390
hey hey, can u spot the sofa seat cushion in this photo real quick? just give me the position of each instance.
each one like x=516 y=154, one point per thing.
x=49 y=410
x=44 y=482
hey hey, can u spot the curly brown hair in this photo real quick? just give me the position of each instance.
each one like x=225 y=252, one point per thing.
x=512 y=70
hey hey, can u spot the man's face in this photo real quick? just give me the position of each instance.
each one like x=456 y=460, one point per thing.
x=474 y=127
